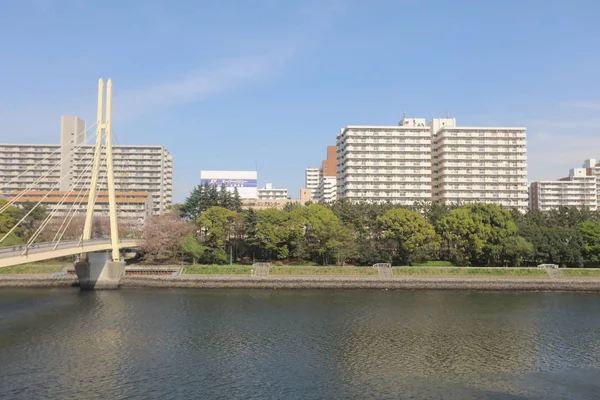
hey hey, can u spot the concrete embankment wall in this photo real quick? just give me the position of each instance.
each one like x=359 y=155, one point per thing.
x=413 y=283
x=320 y=282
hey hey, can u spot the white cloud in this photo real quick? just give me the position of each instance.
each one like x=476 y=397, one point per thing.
x=594 y=106
x=221 y=77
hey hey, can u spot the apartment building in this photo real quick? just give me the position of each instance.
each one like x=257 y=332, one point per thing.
x=385 y=163
x=479 y=164
x=311 y=181
x=579 y=189
x=326 y=191
x=270 y=193
x=58 y=167
x=133 y=206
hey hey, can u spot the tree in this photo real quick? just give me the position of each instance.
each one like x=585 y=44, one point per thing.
x=191 y=208
x=217 y=227
x=31 y=223
x=161 y=237
x=323 y=232
x=236 y=201
x=409 y=232
x=516 y=250
x=274 y=233
x=191 y=248
x=225 y=199
x=476 y=233
x=590 y=235
x=8 y=219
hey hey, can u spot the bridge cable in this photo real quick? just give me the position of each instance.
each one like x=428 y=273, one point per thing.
x=74 y=209
x=47 y=220
x=29 y=188
x=38 y=203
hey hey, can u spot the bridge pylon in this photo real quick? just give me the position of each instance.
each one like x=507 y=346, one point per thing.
x=97 y=270
x=103 y=128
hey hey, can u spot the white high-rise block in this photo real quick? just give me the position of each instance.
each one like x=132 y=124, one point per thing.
x=479 y=164
x=385 y=163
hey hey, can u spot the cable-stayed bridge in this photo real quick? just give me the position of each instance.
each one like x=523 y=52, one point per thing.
x=85 y=198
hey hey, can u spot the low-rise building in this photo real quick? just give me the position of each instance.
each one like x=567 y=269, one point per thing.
x=132 y=206
x=271 y=193
x=576 y=190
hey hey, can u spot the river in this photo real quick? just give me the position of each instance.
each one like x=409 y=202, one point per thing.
x=251 y=344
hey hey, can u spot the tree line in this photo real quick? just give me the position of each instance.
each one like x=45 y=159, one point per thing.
x=209 y=228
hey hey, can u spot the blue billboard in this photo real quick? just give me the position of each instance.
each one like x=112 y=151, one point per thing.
x=231 y=183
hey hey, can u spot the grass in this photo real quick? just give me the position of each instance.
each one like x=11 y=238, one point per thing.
x=574 y=272
x=218 y=269
x=38 y=268
x=469 y=271
x=323 y=271
x=434 y=264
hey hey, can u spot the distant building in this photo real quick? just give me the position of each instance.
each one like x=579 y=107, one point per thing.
x=305 y=195
x=270 y=193
x=327 y=189
x=322 y=181
x=311 y=180
x=580 y=189
x=54 y=167
x=133 y=206
x=246 y=182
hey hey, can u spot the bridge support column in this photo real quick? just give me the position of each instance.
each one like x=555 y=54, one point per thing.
x=99 y=272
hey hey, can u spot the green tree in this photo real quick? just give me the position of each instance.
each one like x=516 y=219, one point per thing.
x=590 y=235
x=236 y=201
x=323 y=232
x=476 y=233
x=191 y=208
x=409 y=233
x=8 y=219
x=516 y=250
x=273 y=233
x=191 y=248
x=218 y=229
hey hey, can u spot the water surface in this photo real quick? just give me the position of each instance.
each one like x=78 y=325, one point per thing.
x=250 y=344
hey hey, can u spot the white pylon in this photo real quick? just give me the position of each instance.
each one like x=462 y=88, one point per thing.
x=105 y=126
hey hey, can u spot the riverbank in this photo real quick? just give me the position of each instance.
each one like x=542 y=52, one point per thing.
x=492 y=283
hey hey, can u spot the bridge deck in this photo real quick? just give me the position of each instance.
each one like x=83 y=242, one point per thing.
x=14 y=255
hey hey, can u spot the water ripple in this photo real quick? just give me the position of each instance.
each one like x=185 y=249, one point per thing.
x=171 y=344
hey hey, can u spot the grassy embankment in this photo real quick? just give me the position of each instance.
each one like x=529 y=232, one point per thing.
x=34 y=268
x=468 y=271
x=581 y=272
x=323 y=271
x=218 y=269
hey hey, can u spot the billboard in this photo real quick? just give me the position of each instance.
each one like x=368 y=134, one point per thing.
x=246 y=182
x=239 y=183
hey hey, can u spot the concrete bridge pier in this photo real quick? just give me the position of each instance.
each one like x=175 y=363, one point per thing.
x=99 y=272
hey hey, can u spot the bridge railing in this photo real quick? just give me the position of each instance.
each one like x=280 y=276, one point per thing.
x=48 y=245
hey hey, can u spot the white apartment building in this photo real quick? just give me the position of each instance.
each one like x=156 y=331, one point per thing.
x=311 y=180
x=270 y=193
x=137 y=168
x=479 y=164
x=578 y=190
x=326 y=190
x=385 y=163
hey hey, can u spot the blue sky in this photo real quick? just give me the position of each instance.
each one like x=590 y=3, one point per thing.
x=228 y=84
